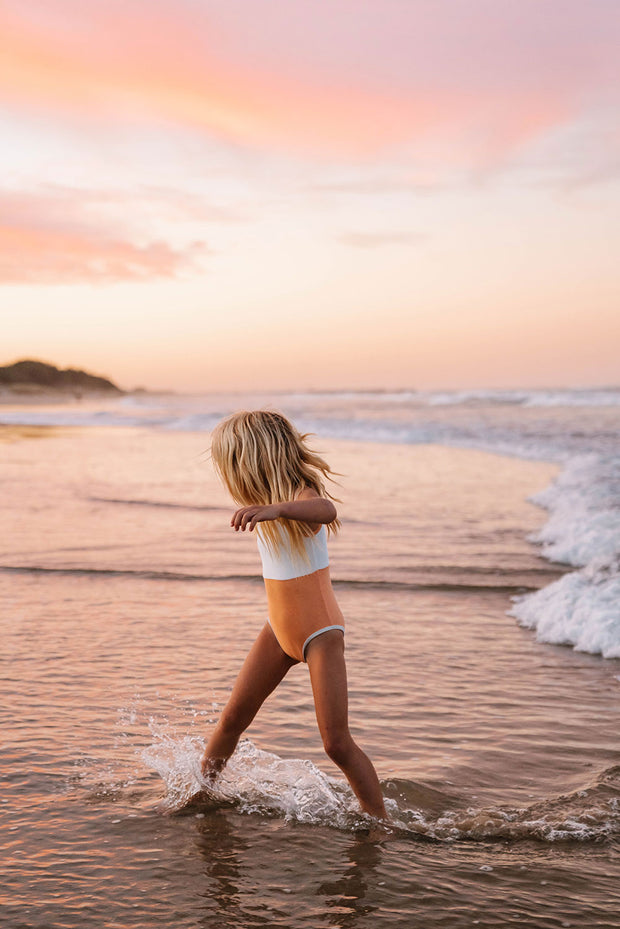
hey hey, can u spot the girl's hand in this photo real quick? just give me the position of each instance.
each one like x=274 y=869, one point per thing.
x=247 y=516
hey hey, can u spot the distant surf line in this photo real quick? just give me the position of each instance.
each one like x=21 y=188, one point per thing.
x=404 y=586
x=157 y=503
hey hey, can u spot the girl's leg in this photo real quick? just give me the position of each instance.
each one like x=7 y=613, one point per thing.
x=261 y=672
x=328 y=673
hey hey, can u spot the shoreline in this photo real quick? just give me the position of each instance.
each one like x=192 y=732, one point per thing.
x=32 y=395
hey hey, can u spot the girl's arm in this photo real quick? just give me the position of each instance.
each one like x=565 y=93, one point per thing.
x=307 y=508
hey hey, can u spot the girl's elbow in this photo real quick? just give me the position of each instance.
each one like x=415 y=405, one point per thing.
x=330 y=512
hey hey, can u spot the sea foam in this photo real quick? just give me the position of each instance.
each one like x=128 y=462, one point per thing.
x=582 y=608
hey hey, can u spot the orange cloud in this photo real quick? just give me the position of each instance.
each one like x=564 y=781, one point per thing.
x=168 y=60
x=46 y=240
x=168 y=74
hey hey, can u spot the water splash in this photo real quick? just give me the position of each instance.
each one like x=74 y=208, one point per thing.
x=590 y=814
x=256 y=781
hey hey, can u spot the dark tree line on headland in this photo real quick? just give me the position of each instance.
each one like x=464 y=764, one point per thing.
x=40 y=374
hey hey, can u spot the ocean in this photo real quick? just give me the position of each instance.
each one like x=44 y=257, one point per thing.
x=478 y=569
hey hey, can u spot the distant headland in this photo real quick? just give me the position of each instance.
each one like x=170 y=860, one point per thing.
x=33 y=378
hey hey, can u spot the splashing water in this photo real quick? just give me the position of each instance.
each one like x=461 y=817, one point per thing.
x=256 y=781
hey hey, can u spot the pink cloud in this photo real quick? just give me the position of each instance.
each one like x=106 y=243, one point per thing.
x=50 y=239
x=473 y=80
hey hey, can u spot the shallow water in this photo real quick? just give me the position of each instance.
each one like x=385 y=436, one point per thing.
x=128 y=609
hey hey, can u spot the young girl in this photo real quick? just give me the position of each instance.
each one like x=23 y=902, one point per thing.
x=278 y=482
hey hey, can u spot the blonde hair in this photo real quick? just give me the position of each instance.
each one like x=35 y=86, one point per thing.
x=261 y=458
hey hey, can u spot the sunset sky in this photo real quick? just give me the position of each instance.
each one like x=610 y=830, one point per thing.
x=204 y=194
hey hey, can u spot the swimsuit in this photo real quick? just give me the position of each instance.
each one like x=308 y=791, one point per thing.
x=301 y=601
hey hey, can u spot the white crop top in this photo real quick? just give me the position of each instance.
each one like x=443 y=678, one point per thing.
x=284 y=565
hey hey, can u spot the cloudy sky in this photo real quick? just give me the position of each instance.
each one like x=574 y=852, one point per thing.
x=204 y=194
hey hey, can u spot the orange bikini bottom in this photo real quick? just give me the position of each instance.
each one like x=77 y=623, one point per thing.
x=301 y=609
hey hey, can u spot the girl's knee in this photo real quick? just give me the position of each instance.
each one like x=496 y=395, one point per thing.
x=339 y=747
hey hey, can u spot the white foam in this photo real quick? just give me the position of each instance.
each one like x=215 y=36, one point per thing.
x=576 y=610
x=586 y=396
x=254 y=780
x=581 y=609
x=584 y=503
x=295 y=788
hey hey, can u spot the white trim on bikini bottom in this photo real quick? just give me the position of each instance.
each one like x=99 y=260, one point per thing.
x=314 y=635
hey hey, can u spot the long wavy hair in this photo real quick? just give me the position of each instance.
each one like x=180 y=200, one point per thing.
x=261 y=458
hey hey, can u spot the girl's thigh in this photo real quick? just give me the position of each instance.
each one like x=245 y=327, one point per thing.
x=328 y=674
x=263 y=669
